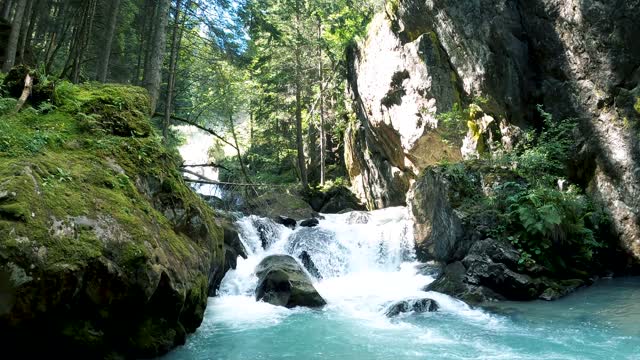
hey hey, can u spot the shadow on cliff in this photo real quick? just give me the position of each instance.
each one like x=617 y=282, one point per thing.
x=591 y=51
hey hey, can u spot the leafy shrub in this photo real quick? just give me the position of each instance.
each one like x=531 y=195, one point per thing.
x=550 y=223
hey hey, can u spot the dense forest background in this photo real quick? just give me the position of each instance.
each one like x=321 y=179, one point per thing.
x=267 y=77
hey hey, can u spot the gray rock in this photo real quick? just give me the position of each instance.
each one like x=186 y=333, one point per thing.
x=452 y=282
x=437 y=228
x=414 y=305
x=233 y=247
x=285 y=221
x=283 y=282
x=310 y=223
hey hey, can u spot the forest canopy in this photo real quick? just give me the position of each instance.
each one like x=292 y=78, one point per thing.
x=266 y=76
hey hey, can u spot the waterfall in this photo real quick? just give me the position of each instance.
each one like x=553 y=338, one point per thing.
x=366 y=261
x=195 y=151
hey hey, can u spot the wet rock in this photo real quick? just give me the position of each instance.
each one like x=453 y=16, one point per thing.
x=310 y=223
x=491 y=272
x=308 y=264
x=148 y=254
x=438 y=229
x=285 y=221
x=452 y=282
x=283 y=282
x=267 y=231
x=432 y=268
x=233 y=247
x=416 y=306
x=339 y=199
x=562 y=289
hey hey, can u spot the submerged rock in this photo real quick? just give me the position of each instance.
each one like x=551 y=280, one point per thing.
x=308 y=264
x=310 y=223
x=415 y=305
x=283 y=282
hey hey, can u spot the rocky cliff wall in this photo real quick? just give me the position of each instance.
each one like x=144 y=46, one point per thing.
x=577 y=58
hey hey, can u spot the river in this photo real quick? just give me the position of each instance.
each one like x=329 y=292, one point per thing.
x=367 y=262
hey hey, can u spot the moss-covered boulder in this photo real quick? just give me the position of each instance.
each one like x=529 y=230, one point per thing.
x=104 y=251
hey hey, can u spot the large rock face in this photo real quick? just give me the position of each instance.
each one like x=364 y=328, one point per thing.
x=578 y=58
x=104 y=251
x=283 y=282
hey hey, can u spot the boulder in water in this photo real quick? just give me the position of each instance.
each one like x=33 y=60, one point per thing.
x=310 y=223
x=308 y=264
x=286 y=221
x=283 y=282
x=414 y=305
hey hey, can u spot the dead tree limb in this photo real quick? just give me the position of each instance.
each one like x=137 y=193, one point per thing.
x=194 y=124
x=205 y=165
x=28 y=85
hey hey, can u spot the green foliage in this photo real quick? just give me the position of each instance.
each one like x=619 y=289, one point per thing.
x=527 y=202
x=637 y=105
x=7 y=105
x=544 y=220
x=545 y=157
x=454 y=124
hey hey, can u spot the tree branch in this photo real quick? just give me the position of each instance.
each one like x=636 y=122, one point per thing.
x=28 y=85
x=206 y=165
x=194 y=124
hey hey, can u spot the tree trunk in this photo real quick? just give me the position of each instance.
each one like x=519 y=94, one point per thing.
x=25 y=31
x=84 y=43
x=143 y=53
x=103 y=61
x=298 y=85
x=12 y=47
x=321 y=78
x=173 y=61
x=28 y=85
x=25 y=41
x=153 y=72
x=6 y=9
x=243 y=167
x=58 y=35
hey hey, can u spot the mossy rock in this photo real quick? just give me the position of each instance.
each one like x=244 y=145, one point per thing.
x=98 y=229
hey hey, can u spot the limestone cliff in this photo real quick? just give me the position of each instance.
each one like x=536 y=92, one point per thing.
x=103 y=248
x=577 y=58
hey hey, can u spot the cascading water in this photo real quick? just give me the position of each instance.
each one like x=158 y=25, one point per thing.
x=366 y=262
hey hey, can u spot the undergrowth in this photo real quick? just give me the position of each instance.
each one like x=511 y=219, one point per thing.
x=529 y=201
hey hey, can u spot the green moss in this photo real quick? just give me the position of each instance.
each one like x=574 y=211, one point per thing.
x=637 y=106
x=67 y=163
x=392 y=7
x=77 y=250
x=17 y=212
